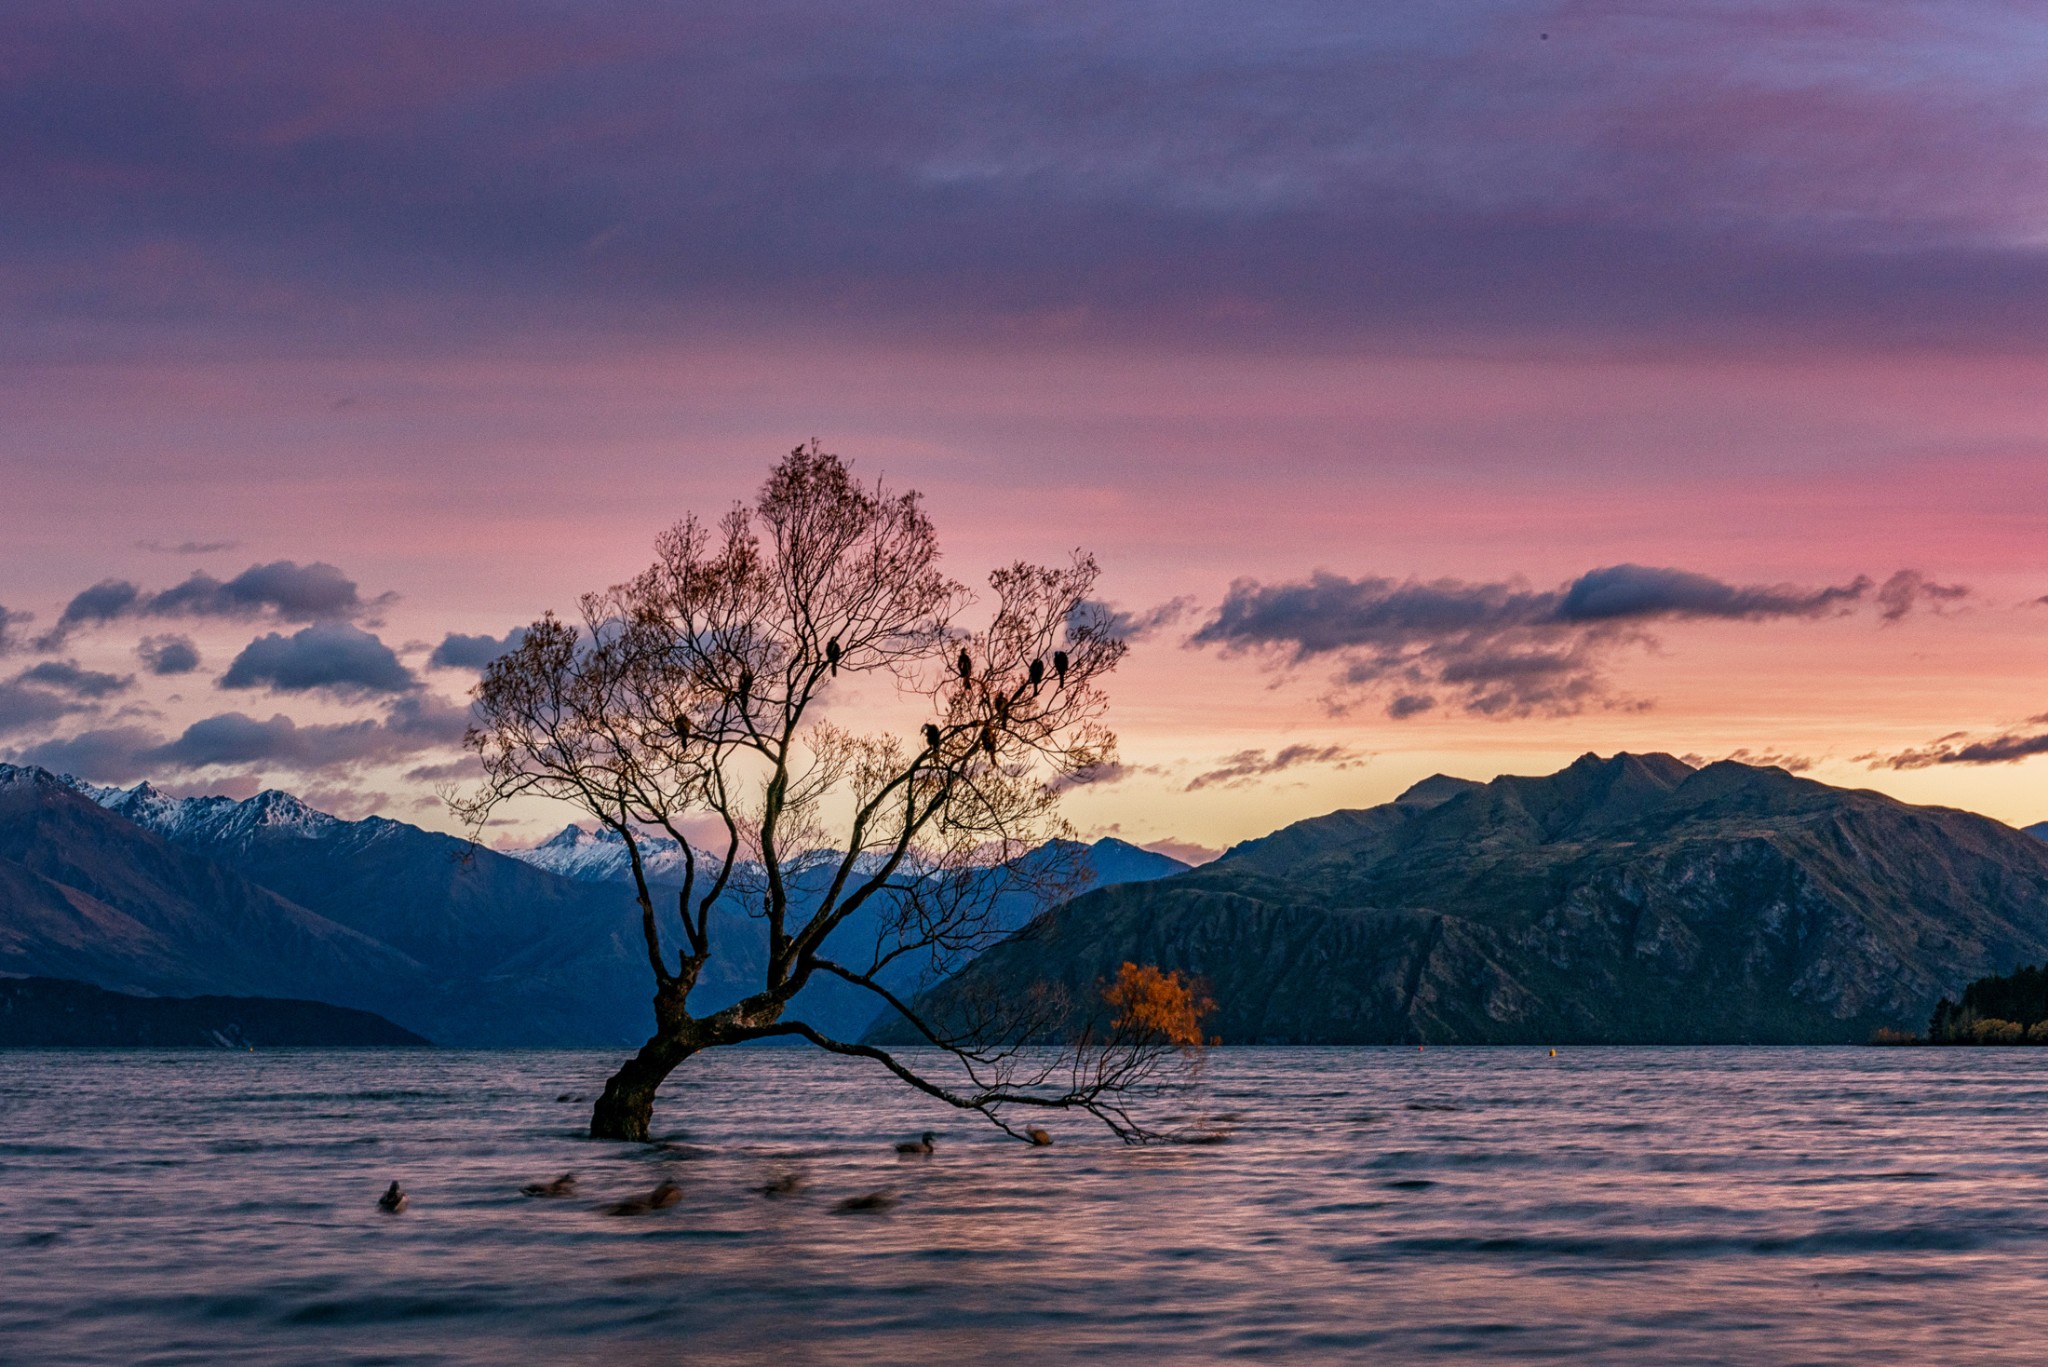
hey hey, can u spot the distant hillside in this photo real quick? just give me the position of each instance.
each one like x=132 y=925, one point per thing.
x=836 y=1007
x=600 y=857
x=54 y=1013
x=1627 y=900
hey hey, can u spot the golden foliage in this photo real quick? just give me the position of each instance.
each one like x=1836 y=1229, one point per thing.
x=1159 y=1005
x=1991 y=1030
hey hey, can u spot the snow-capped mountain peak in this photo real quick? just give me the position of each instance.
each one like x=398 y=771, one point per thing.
x=601 y=856
x=271 y=811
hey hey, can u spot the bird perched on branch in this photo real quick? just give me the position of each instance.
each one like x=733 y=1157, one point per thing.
x=746 y=685
x=931 y=736
x=988 y=739
x=681 y=726
x=966 y=667
x=1059 y=664
x=832 y=655
x=1037 y=673
x=1002 y=711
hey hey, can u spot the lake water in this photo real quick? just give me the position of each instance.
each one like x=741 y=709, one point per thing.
x=1616 y=1205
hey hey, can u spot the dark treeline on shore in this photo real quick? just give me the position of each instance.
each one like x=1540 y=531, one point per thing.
x=2012 y=1009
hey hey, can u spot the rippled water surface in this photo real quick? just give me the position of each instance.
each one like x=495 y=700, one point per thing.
x=1620 y=1205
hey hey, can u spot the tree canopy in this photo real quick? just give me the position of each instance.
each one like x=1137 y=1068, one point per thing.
x=700 y=702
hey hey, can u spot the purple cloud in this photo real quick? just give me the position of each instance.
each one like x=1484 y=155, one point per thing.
x=328 y=657
x=165 y=655
x=282 y=588
x=457 y=651
x=1499 y=649
x=65 y=676
x=9 y=621
x=2006 y=749
x=1248 y=766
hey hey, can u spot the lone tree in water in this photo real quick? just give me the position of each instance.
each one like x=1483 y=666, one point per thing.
x=687 y=700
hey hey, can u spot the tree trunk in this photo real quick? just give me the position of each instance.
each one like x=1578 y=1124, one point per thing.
x=627 y=1105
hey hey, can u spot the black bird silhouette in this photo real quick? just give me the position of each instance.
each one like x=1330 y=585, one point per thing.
x=832 y=655
x=1002 y=711
x=746 y=685
x=966 y=666
x=393 y=1199
x=988 y=739
x=1037 y=673
x=682 y=728
x=1059 y=664
x=917 y=1147
x=931 y=736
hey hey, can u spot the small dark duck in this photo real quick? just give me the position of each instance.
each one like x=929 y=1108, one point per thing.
x=783 y=1184
x=866 y=1204
x=662 y=1197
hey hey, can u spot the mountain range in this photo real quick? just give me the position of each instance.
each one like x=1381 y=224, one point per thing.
x=1630 y=899
x=137 y=891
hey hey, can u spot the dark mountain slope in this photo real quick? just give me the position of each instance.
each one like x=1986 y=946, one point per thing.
x=85 y=893
x=1630 y=899
x=51 y=1013
x=516 y=955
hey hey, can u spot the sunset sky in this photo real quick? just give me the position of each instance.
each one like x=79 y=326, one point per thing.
x=1442 y=387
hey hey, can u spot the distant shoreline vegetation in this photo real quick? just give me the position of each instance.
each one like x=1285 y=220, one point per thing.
x=1997 y=1010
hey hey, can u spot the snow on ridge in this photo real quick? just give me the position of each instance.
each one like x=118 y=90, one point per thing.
x=600 y=856
x=210 y=818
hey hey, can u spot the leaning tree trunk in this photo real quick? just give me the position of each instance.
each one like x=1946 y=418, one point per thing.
x=626 y=1107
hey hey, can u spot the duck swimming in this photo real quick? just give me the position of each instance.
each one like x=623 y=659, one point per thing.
x=393 y=1199
x=917 y=1147
x=565 y=1185
x=663 y=1196
x=872 y=1201
x=783 y=1184
x=1038 y=1136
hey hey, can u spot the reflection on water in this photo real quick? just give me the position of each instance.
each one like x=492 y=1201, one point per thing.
x=1762 y=1205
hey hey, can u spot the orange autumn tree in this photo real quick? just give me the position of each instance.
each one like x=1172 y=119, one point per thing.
x=714 y=703
x=1159 y=1006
